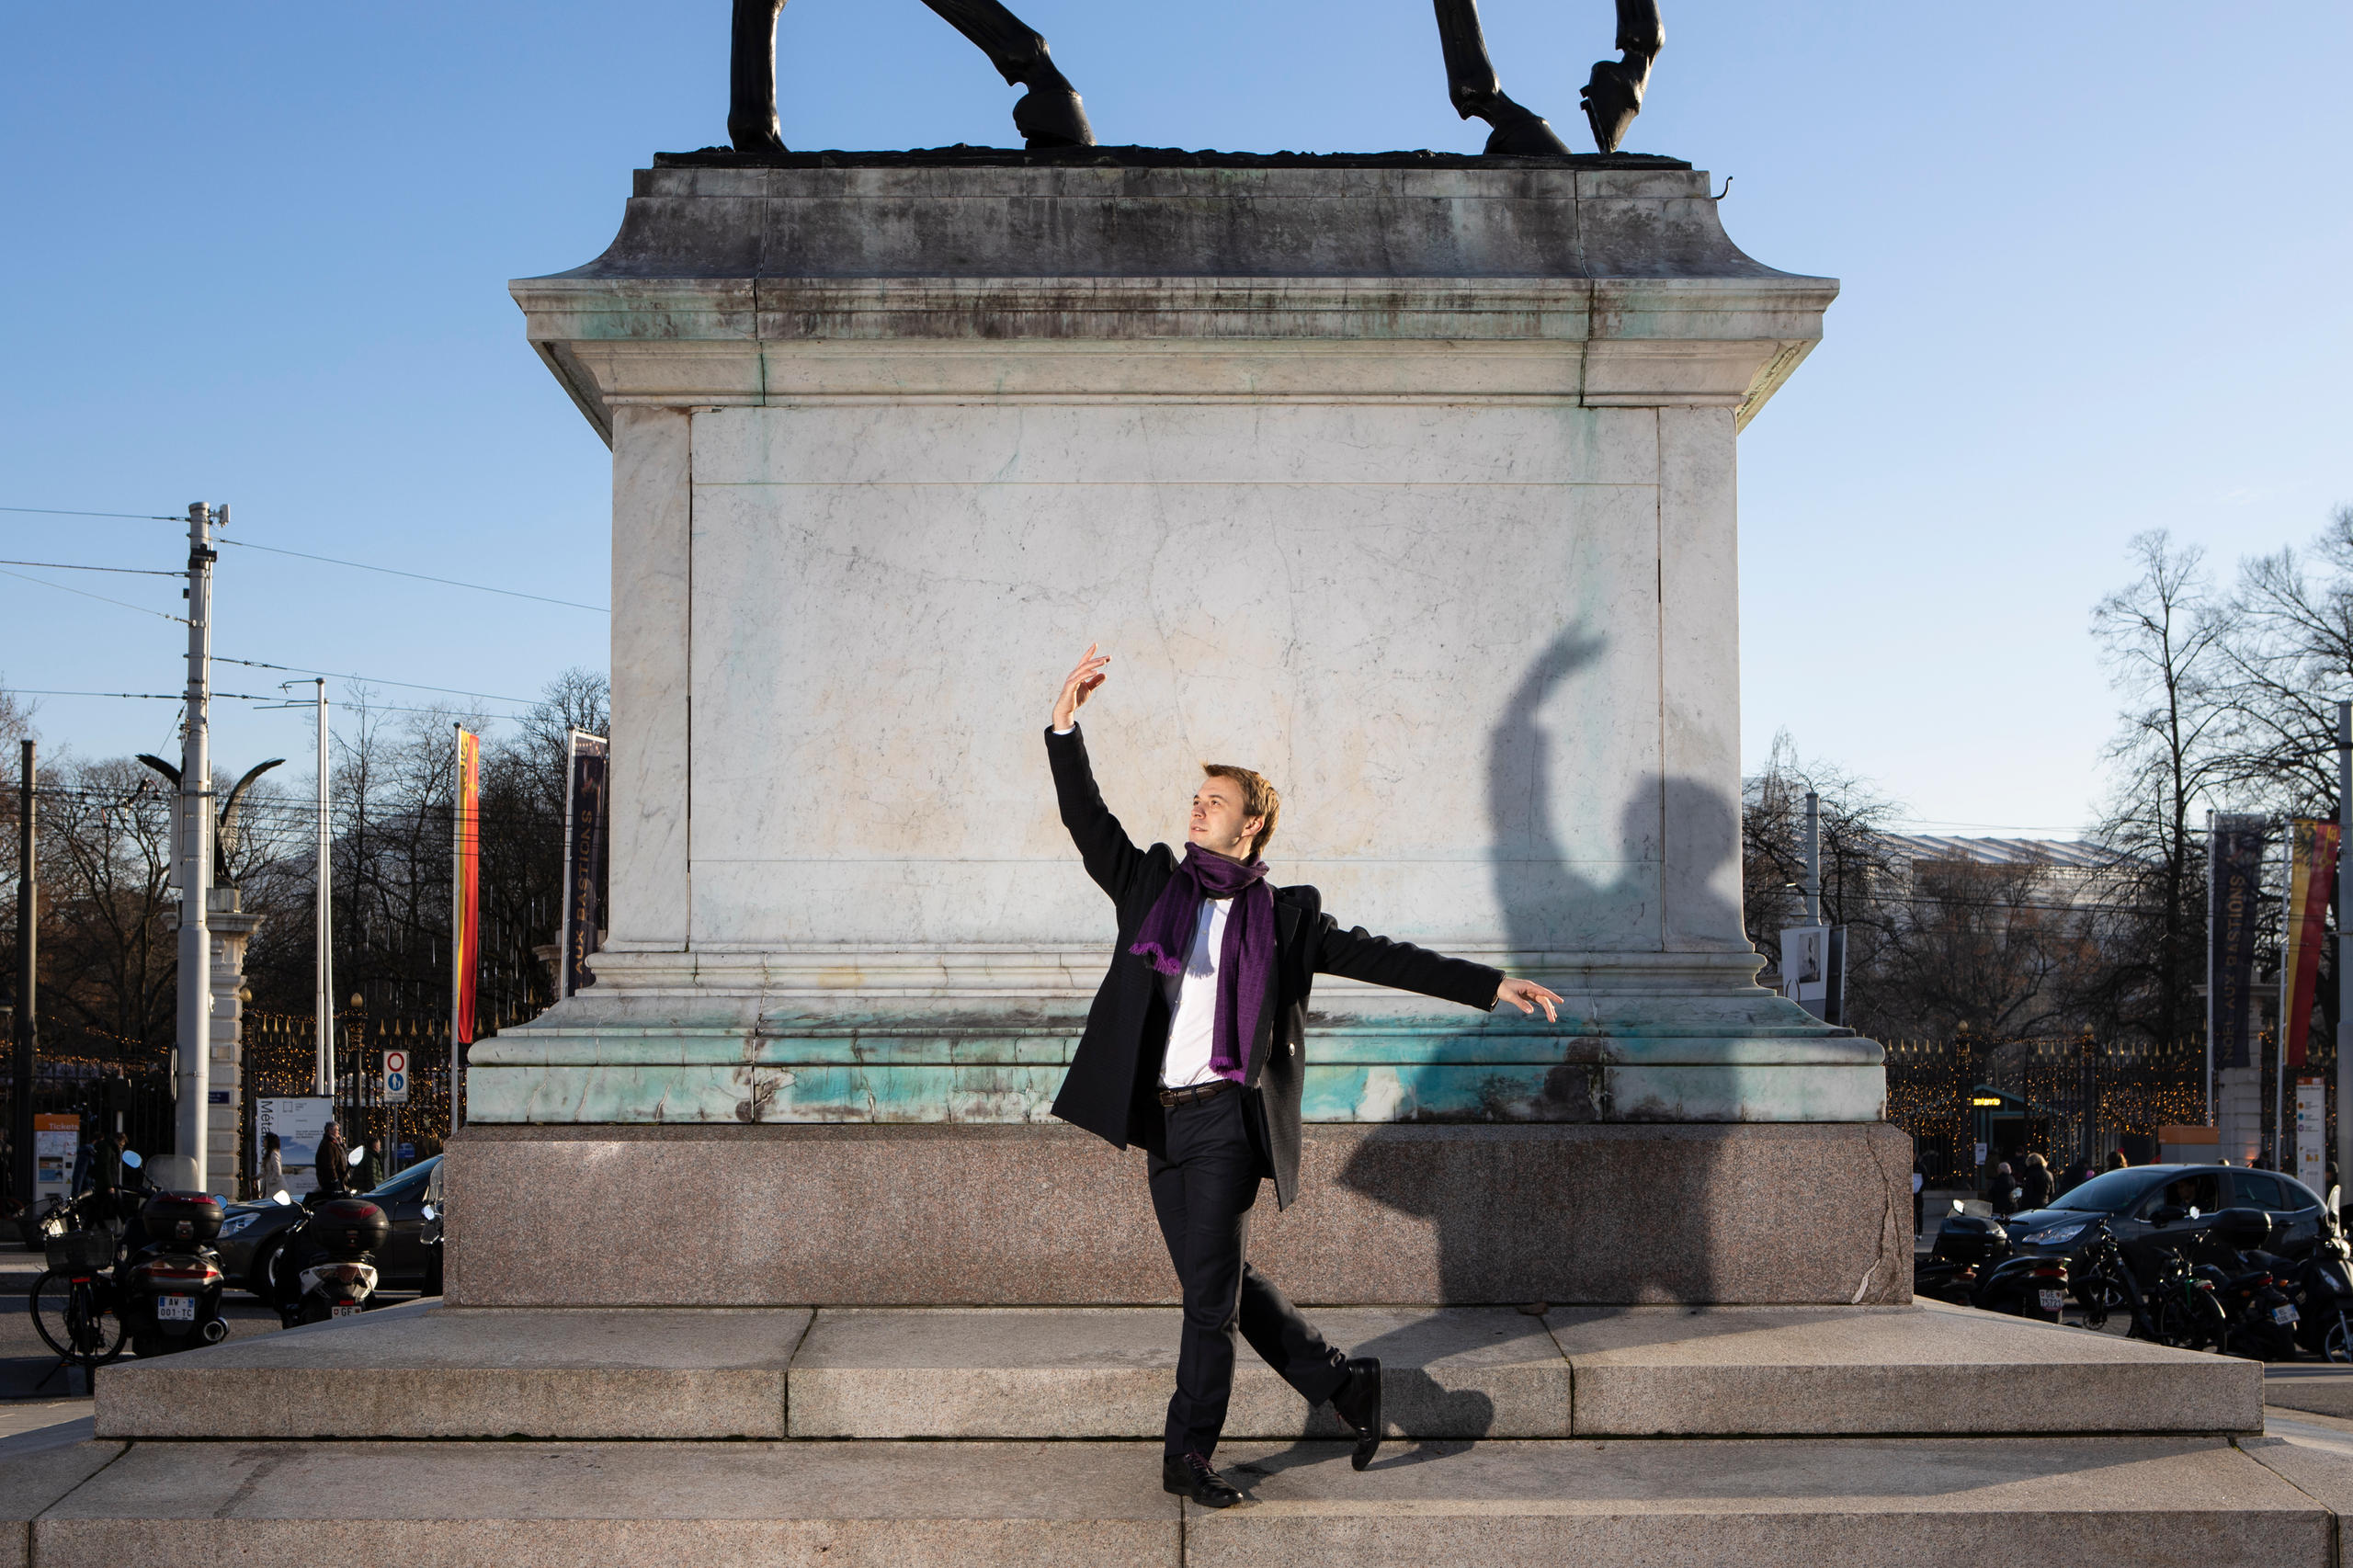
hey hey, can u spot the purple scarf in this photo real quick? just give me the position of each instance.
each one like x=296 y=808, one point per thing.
x=1245 y=964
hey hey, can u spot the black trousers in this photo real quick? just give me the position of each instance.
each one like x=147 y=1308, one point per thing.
x=1202 y=1189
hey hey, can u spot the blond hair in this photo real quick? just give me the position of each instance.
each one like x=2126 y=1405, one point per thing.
x=1259 y=799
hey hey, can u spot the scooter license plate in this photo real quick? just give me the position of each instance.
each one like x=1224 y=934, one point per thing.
x=176 y=1308
x=2054 y=1299
x=2283 y=1315
x=345 y=1310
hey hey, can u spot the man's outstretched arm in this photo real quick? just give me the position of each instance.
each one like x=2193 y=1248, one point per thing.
x=1110 y=856
x=1358 y=954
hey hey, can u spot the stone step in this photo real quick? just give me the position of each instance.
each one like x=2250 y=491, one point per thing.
x=1928 y=1503
x=428 y=1370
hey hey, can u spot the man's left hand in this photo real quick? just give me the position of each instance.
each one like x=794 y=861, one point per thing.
x=1527 y=995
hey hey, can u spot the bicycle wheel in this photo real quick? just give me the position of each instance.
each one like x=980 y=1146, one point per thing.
x=2191 y=1321
x=2102 y=1294
x=74 y=1319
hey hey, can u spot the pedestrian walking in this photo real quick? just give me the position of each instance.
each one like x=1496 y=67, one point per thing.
x=369 y=1174
x=273 y=1166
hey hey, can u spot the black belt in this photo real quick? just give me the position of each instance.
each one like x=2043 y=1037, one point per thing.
x=1199 y=1092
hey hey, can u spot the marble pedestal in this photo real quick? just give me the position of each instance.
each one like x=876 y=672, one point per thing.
x=1408 y=481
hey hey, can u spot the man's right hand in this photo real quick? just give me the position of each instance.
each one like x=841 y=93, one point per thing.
x=1078 y=687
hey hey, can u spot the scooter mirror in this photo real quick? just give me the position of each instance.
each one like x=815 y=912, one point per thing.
x=429 y=1213
x=130 y=1157
x=354 y=1157
x=281 y=1195
x=2193 y=1211
x=1956 y=1205
x=2334 y=1198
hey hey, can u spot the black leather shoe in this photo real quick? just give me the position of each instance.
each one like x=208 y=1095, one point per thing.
x=1359 y=1404
x=1190 y=1475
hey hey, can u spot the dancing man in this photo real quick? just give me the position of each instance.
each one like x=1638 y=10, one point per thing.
x=1193 y=1051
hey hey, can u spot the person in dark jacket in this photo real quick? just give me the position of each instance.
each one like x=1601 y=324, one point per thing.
x=369 y=1174
x=1193 y=1050
x=334 y=1158
x=2034 y=1183
x=2002 y=1190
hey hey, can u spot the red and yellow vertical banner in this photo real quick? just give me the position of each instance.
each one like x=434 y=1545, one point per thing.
x=2311 y=877
x=465 y=946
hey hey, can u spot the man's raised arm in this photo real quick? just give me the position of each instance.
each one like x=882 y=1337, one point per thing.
x=1110 y=856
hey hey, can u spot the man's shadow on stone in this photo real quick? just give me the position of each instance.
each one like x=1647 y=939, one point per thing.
x=1487 y=1194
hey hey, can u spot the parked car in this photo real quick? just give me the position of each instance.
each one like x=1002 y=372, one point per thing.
x=2150 y=1208
x=253 y=1232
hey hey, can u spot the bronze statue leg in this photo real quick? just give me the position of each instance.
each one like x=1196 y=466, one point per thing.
x=1050 y=114
x=750 y=78
x=1613 y=95
x=1471 y=83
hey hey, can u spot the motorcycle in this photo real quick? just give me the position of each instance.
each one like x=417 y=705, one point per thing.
x=1972 y=1266
x=2247 y=1284
x=2324 y=1291
x=170 y=1295
x=325 y=1268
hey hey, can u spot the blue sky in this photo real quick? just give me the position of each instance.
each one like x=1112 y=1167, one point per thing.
x=2094 y=259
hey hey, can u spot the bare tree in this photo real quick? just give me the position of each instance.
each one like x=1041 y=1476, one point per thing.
x=1989 y=944
x=1857 y=868
x=2162 y=637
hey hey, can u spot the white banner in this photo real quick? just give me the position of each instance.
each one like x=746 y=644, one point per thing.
x=299 y=1122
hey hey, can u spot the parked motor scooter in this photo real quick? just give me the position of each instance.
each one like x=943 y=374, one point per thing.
x=2323 y=1290
x=1972 y=1266
x=325 y=1268
x=170 y=1299
x=2252 y=1284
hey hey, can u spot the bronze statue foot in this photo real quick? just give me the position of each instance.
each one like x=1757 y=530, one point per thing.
x=1051 y=114
x=753 y=137
x=1612 y=97
x=1517 y=131
x=1530 y=138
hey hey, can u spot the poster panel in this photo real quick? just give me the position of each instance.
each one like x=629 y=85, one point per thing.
x=2312 y=1133
x=57 y=1143
x=300 y=1122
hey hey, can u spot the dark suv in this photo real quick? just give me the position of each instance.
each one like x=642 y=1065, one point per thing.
x=2149 y=1208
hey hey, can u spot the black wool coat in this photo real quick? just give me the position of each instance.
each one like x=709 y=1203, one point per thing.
x=1113 y=1088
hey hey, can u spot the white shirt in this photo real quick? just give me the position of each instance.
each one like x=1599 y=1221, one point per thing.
x=1192 y=1001
x=1192 y=998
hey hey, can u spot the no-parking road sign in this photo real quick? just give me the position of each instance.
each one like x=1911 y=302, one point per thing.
x=396 y=1076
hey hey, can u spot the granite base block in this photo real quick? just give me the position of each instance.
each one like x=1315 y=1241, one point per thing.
x=1026 y=1216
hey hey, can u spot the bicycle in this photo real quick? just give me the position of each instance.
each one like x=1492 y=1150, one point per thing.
x=2183 y=1311
x=73 y=1300
x=2103 y=1284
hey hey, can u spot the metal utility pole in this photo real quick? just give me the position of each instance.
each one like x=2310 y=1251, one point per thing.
x=1812 y=858
x=2344 y=949
x=323 y=1004
x=195 y=1084
x=28 y=1017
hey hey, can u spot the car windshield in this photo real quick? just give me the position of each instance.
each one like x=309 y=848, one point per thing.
x=2110 y=1192
x=406 y=1185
